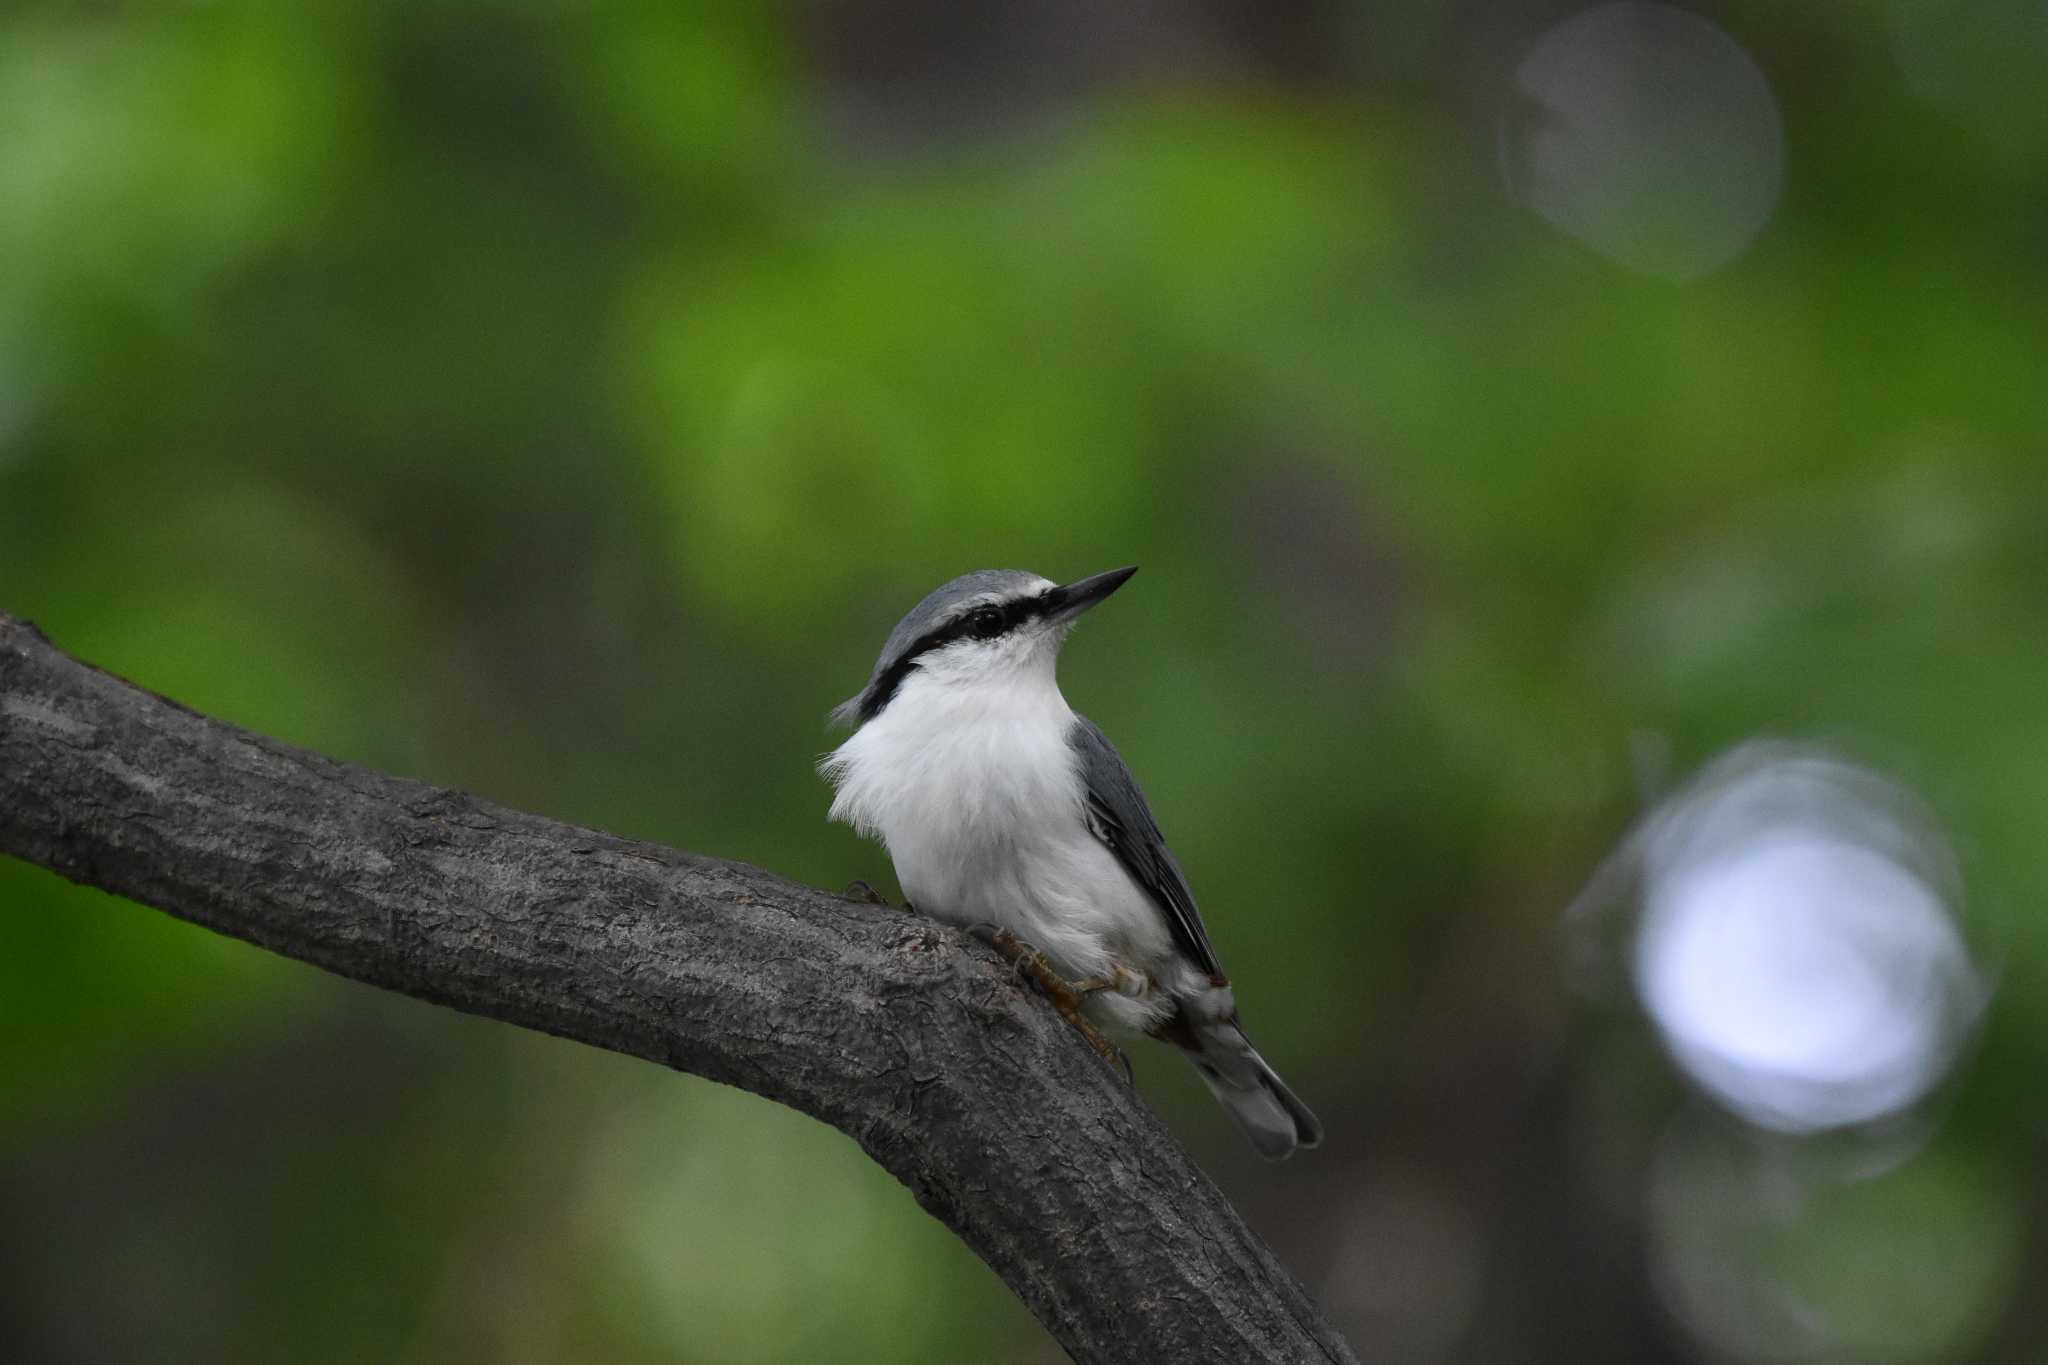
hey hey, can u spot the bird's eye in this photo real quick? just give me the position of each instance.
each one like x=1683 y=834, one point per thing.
x=984 y=623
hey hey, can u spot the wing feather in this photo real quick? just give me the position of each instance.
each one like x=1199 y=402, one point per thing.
x=1119 y=816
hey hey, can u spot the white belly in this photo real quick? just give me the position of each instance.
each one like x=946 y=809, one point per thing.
x=1053 y=885
x=983 y=817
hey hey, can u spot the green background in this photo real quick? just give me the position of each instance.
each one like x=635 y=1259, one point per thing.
x=562 y=401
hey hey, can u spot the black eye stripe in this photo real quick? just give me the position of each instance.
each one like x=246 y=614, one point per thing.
x=1007 y=617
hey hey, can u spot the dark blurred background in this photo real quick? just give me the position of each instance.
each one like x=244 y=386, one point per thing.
x=1516 y=409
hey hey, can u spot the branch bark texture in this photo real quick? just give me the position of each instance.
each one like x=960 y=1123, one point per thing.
x=906 y=1035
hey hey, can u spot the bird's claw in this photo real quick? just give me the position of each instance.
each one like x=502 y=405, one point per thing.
x=1121 y=979
x=859 y=890
x=1066 y=996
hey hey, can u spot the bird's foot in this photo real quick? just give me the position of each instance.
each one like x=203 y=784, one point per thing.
x=1065 y=995
x=859 y=890
x=1121 y=979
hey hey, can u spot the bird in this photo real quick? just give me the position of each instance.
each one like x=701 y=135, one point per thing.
x=1006 y=812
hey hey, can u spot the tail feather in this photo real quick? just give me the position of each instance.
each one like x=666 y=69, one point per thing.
x=1272 y=1116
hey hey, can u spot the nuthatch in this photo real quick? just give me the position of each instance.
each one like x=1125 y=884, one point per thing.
x=1005 y=811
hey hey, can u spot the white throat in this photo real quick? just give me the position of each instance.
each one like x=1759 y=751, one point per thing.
x=968 y=761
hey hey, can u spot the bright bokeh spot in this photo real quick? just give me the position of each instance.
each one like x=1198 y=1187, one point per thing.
x=1801 y=980
x=1798 y=950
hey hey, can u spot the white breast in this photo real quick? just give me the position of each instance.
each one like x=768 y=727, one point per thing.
x=974 y=790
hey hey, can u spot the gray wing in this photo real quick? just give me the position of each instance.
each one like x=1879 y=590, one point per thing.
x=1120 y=818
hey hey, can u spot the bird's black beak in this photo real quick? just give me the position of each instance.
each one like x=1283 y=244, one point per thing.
x=1067 y=602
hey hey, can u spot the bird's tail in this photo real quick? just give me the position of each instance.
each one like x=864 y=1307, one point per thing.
x=1272 y=1116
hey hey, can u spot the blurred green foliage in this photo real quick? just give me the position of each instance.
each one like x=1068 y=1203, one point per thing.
x=563 y=401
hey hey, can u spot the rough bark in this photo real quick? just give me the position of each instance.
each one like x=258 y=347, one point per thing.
x=903 y=1033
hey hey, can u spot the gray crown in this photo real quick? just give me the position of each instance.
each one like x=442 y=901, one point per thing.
x=939 y=606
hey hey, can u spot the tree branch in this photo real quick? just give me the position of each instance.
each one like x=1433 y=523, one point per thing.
x=897 y=1030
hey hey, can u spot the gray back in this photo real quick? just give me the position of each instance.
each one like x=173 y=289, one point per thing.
x=1120 y=817
x=939 y=606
